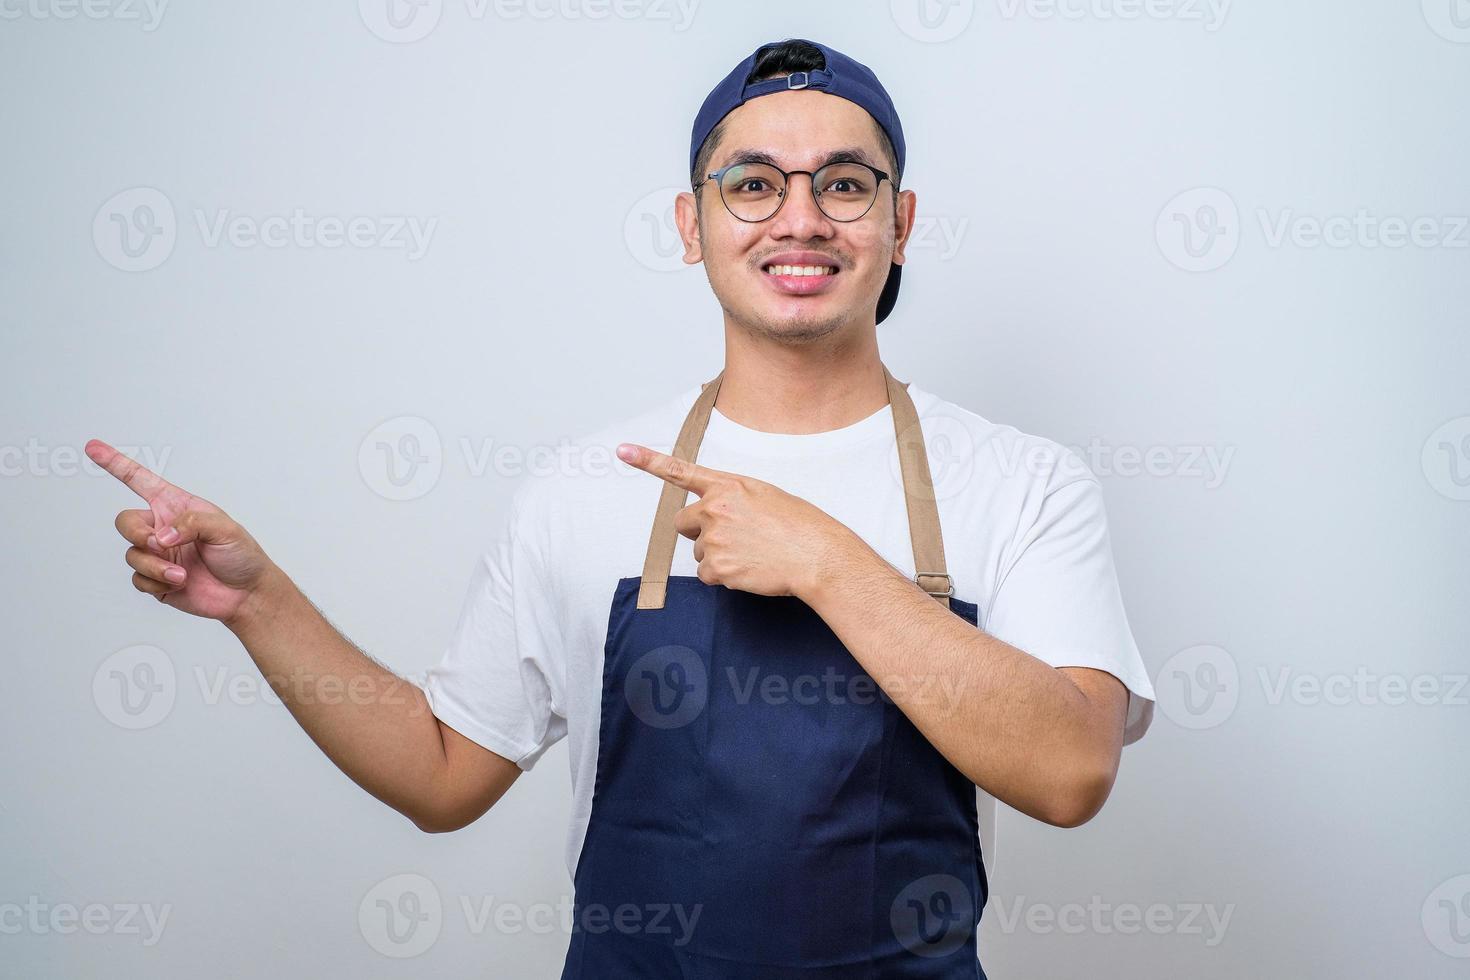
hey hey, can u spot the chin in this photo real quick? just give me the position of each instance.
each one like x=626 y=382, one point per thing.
x=795 y=327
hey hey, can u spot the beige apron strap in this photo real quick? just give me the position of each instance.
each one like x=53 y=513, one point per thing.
x=660 y=558
x=931 y=574
x=918 y=486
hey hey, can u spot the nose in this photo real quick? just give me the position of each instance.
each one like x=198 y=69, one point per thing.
x=799 y=217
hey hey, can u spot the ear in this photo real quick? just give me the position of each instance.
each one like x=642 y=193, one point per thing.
x=686 y=216
x=903 y=223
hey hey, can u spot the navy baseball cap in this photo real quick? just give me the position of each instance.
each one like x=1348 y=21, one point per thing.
x=841 y=76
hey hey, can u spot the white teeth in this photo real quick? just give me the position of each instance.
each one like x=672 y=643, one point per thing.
x=801 y=270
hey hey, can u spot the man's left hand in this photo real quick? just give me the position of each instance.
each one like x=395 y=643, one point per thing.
x=748 y=534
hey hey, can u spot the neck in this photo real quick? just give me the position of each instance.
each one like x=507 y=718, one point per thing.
x=801 y=389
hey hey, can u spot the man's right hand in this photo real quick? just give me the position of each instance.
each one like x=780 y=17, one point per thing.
x=381 y=732
x=185 y=551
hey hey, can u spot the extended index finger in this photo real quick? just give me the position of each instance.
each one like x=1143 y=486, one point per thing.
x=671 y=469
x=139 y=478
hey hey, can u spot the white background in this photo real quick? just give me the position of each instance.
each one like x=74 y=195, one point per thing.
x=1060 y=155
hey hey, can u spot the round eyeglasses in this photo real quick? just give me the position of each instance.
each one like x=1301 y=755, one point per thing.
x=756 y=191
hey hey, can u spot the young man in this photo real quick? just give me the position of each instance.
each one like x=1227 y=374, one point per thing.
x=785 y=698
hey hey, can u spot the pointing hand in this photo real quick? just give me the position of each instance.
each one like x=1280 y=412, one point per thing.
x=185 y=551
x=748 y=534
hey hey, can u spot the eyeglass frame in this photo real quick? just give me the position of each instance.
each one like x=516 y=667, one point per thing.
x=786 y=175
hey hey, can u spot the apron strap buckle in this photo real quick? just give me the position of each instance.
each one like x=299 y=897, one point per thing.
x=949 y=584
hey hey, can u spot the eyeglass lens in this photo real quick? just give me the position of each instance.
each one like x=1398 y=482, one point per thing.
x=753 y=191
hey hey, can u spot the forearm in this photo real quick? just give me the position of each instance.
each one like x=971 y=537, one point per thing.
x=376 y=727
x=1013 y=724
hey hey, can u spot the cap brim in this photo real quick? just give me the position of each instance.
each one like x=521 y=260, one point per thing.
x=889 y=295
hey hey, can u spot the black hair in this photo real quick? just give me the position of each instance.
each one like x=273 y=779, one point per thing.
x=777 y=60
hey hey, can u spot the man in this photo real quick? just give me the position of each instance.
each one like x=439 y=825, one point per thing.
x=785 y=698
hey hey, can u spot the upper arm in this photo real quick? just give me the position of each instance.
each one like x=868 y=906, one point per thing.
x=496 y=692
x=475 y=778
x=1107 y=710
x=1107 y=700
x=1058 y=599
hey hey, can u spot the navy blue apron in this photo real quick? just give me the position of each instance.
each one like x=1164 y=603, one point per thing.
x=761 y=809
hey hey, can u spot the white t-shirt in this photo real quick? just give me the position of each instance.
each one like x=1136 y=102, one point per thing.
x=1024 y=531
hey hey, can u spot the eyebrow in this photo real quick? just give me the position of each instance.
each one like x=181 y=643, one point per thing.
x=849 y=154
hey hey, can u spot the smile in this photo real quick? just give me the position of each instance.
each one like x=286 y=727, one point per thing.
x=801 y=270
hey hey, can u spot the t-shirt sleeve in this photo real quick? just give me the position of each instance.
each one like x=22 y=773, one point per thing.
x=499 y=682
x=1058 y=598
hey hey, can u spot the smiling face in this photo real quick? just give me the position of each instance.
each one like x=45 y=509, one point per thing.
x=799 y=275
